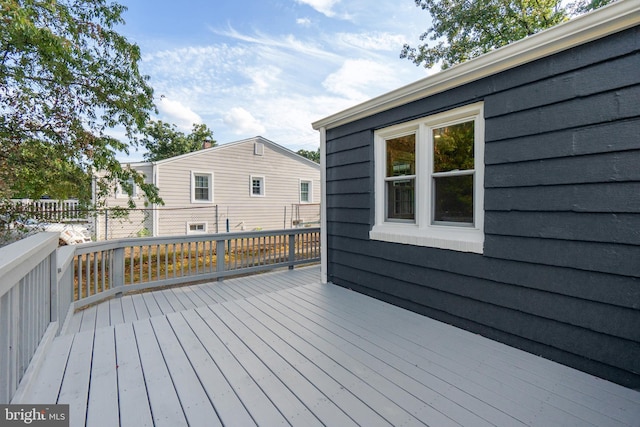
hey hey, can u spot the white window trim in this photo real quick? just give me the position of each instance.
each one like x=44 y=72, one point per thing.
x=422 y=232
x=193 y=186
x=310 y=182
x=262 y=185
x=190 y=223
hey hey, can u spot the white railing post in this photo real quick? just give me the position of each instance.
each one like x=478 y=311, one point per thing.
x=220 y=258
x=292 y=250
x=116 y=272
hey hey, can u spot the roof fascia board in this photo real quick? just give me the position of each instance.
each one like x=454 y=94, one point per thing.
x=580 y=30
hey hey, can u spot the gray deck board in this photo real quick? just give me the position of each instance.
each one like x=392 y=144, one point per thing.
x=132 y=391
x=103 y=390
x=163 y=397
x=282 y=349
x=229 y=407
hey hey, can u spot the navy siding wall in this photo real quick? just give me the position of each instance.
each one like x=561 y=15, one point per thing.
x=560 y=272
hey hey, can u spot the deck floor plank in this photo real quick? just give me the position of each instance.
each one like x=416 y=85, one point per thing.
x=257 y=403
x=280 y=395
x=52 y=372
x=228 y=405
x=393 y=402
x=195 y=403
x=172 y=300
x=182 y=298
x=132 y=391
x=75 y=384
x=128 y=309
x=282 y=349
x=102 y=407
x=163 y=398
x=140 y=307
x=103 y=316
x=152 y=304
x=89 y=319
x=438 y=396
x=325 y=373
x=115 y=311
x=267 y=350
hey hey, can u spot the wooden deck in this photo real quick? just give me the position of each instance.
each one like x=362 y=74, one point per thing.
x=282 y=349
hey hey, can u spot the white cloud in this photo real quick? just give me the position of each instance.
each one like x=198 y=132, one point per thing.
x=242 y=122
x=323 y=6
x=305 y=22
x=177 y=113
x=357 y=79
x=373 y=41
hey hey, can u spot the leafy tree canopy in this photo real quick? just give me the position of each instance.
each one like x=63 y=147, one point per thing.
x=463 y=29
x=163 y=140
x=67 y=78
x=311 y=155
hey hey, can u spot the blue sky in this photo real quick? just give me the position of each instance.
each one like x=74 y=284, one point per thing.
x=270 y=67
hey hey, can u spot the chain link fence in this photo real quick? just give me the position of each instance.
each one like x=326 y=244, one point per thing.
x=120 y=222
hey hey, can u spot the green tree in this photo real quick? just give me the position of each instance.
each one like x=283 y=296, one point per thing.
x=311 y=155
x=163 y=140
x=66 y=79
x=463 y=29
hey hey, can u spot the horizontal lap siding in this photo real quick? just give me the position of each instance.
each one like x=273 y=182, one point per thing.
x=560 y=272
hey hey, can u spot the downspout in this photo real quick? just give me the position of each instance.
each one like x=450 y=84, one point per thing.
x=323 y=205
x=156 y=213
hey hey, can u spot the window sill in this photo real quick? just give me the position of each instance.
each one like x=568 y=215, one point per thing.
x=453 y=238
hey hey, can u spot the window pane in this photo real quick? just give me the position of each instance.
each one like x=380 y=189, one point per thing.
x=401 y=199
x=401 y=156
x=453 y=147
x=202 y=194
x=201 y=190
x=202 y=181
x=257 y=187
x=304 y=191
x=453 y=199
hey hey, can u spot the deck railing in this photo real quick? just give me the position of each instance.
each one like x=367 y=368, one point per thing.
x=104 y=269
x=41 y=283
x=29 y=305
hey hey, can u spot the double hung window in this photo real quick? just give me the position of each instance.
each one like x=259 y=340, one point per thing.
x=257 y=186
x=201 y=187
x=429 y=181
x=305 y=191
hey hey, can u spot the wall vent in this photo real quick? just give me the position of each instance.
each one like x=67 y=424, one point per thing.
x=258 y=148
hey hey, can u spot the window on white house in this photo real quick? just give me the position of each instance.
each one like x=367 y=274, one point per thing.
x=257 y=186
x=430 y=181
x=196 y=227
x=305 y=191
x=201 y=187
x=121 y=193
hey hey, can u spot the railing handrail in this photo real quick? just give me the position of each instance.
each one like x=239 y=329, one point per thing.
x=19 y=258
x=85 y=248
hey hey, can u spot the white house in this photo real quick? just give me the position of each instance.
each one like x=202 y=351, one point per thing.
x=244 y=185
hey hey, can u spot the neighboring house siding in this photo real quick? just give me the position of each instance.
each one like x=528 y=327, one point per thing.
x=138 y=222
x=232 y=167
x=560 y=272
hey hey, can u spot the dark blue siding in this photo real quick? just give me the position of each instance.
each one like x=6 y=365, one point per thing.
x=560 y=272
